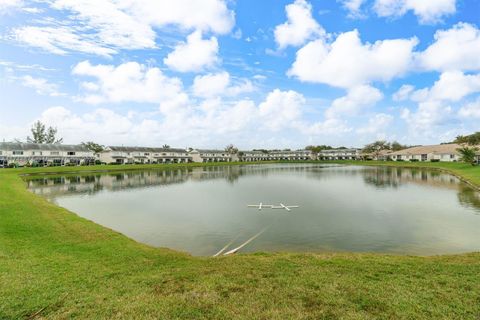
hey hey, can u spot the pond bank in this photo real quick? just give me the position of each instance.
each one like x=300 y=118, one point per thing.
x=64 y=266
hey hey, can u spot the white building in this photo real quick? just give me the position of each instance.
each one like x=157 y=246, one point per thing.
x=131 y=155
x=203 y=155
x=26 y=154
x=442 y=152
x=339 y=154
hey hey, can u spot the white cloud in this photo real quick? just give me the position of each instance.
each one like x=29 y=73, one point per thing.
x=103 y=27
x=376 y=124
x=427 y=11
x=129 y=81
x=356 y=100
x=428 y=116
x=7 y=5
x=60 y=40
x=211 y=84
x=41 y=86
x=327 y=127
x=281 y=109
x=457 y=48
x=299 y=27
x=403 y=93
x=194 y=55
x=470 y=110
x=353 y=7
x=347 y=62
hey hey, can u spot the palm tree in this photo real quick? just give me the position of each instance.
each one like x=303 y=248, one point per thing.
x=468 y=155
x=166 y=146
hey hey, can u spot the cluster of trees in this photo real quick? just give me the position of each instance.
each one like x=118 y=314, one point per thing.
x=317 y=149
x=472 y=139
x=377 y=146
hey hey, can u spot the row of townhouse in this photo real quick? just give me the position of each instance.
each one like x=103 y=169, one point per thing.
x=24 y=154
x=276 y=155
x=443 y=152
x=131 y=155
x=340 y=154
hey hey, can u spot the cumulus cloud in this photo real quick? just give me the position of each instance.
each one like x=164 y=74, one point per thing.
x=194 y=55
x=42 y=86
x=457 y=48
x=281 y=109
x=470 y=110
x=403 y=93
x=220 y=84
x=129 y=81
x=377 y=124
x=428 y=12
x=7 y=5
x=105 y=26
x=347 y=62
x=428 y=116
x=353 y=7
x=356 y=100
x=300 y=25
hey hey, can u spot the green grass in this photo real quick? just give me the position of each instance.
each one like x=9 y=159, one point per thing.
x=56 y=265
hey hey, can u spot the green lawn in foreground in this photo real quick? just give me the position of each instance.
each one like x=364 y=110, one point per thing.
x=56 y=265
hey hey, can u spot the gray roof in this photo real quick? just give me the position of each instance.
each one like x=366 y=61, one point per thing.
x=210 y=151
x=145 y=149
x=20 y=146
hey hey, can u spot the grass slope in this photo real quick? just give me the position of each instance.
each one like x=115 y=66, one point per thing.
x=56 y=265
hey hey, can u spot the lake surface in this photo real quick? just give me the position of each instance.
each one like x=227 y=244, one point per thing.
x=342 y=208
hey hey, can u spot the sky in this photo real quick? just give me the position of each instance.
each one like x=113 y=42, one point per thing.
x=256 y=74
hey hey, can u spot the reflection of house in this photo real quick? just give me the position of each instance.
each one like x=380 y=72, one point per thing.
x=202 y=155
x=124 y=155
x=339 y=154
x=23 y=154
x=442 y=152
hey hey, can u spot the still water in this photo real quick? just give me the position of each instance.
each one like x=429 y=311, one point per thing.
x=342 y=208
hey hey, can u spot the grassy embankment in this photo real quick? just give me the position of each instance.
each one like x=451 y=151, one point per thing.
x=55 y=265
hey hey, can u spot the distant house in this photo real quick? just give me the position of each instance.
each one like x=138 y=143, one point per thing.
x=204 y=155
x=131 y=155
x=22 y=154
x=278 y=155
x=339 y=154
x=442 y=152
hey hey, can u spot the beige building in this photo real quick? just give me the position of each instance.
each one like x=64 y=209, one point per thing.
x=33 y=154
x=441 y=152
x=131 y=155
x=339 y=154
x=203 y=155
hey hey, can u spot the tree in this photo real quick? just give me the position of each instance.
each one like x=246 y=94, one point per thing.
x=92 y=146
x=231 y=149
x=166 y=146
x=396 y=146
x=42 y=135
x=468 y=155
x=376 y=147
x=472 y=139
x=317 y=149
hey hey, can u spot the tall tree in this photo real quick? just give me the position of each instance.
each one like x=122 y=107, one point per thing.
x=231 y=149
x=41 y=134
x=468 y=154
x=166 y=146
x=92 y=146
x=376 y=147
x=396 y=146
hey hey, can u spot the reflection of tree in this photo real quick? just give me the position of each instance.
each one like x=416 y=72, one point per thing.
x=470 y=198
x=382 y=178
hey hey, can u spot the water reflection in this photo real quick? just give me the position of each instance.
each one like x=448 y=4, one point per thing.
x=349 y=208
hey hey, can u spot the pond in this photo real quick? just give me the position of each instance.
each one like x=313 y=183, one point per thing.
x=341 y=208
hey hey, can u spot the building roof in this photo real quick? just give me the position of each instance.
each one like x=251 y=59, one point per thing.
x=20 y=146
x=450 y=148
x=144 y=149
x=339 y=150
x=209 y=151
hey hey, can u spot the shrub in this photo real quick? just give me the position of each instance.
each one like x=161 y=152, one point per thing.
x=434 y=160
x=400 y=160
x=97 y=162
x=413 y=160
x=12 y=165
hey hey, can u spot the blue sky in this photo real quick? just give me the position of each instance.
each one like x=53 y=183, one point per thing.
x=258 y=74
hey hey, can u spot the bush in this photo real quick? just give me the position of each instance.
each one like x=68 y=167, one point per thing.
x=400 y=160
x=413 y=160
x=98 y=162
x=70 y=164
x=434 y=160
x=12 y=165
x=114 y=163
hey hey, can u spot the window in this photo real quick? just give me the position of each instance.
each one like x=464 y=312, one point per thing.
x=18 y=153
x=147 y=154
x=452 y=156
x=70 y=153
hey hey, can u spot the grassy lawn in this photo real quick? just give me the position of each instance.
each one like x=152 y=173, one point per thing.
x=56 y=265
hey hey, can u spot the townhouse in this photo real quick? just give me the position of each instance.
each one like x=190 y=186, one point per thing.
x=277 y=155
x=204 y=155
x=34 y=154
x=340 y=154
x=140 y=155
x=443 y=152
